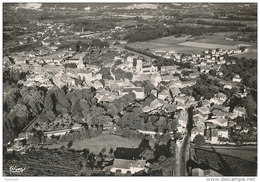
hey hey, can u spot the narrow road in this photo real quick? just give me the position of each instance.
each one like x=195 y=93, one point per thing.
x=183 y=151
x=183 y=155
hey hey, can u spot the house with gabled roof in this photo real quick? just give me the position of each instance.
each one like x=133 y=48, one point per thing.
x=219 y=98
x=175 y=91
x=239 y=111
x=180 y=99
x=219 y=121
x=156 y=103
x=237 y=78
x=167 y=78
x=188 y=83
x=204 y=109
x=139 y=91
x=194 y=75
x=200 y=117
x=164 y=94
x=169 y=107
x=168 y=70
x=124 y=166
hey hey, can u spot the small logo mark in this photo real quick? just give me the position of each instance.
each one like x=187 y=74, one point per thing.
x=14 y=169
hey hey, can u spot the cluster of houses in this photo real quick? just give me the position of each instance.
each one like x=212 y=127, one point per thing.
x=169 y=99
x=204 y=62
x=213 y=121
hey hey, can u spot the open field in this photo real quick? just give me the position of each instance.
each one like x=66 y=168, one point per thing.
x=207 y=45
x=166 y=44
x=184 y=45
x=96 y=144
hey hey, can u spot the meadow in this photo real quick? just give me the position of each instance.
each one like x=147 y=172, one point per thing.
x=96 y=144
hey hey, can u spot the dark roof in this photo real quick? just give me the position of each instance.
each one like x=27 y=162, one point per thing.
x=127 y=153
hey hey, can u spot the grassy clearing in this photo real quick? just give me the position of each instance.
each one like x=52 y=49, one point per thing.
x=96 y=144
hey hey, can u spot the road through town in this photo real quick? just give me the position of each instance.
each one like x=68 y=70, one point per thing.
x=183 y=148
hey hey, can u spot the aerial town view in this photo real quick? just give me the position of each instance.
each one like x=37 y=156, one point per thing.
x=129 y=89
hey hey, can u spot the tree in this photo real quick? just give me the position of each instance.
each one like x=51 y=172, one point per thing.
x=212 y=72
x=128 y=173
x=91 y=160
x=171 y=145
x=118 y=62
x=111 y=151
x=250 y=106
x=33 y=99
x=147 y=154
x=199 y=140
x=70 y=144
x=144 y=145
x=106 y=73
x=147 y=88
x=85 y=60
x=118 y=172
x=155 y=169
x=112 y=110
x=85 y=152
x=77 y=47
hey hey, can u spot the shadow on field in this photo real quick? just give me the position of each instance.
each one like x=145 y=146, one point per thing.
x=224 y=164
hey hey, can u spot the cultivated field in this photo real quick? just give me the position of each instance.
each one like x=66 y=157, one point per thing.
x=206 y=45
x=96 y=144
x=184 y=45
x=166 y=44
